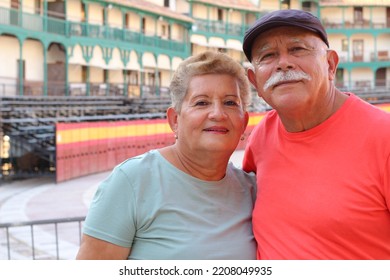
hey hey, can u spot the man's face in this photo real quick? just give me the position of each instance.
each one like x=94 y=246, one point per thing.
x=291 y=69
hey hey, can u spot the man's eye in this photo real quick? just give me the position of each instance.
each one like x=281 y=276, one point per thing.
x=268 y=55
x=265 y=57
x=298 y=50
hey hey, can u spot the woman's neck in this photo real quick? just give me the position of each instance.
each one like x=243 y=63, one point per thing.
x=205 y=166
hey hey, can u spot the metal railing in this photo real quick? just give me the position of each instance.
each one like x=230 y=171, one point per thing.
x=10 y=87
x=41 y=240
x=66 y=28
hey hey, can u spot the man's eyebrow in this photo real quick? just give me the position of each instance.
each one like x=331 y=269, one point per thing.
x=296 y=40
x=262 y=48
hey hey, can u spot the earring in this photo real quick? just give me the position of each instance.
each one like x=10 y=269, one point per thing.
x=176 y=136
x=242 y=138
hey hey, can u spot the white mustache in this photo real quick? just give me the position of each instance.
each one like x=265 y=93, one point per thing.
x=285 y=76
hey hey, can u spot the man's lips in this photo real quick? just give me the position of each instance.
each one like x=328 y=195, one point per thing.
x=286 y=83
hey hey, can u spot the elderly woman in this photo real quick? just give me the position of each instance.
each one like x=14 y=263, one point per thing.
x=184 y=201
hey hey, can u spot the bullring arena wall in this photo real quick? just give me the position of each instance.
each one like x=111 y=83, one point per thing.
x=93 y=147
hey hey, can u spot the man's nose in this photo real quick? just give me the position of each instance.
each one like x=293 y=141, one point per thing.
x=285 y=62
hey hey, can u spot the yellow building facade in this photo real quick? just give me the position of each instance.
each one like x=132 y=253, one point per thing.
x=131 y=47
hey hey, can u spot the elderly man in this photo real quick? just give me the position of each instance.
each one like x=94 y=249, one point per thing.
x=321 y=156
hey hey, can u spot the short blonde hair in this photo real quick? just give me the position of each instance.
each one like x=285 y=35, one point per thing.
x=207 y=62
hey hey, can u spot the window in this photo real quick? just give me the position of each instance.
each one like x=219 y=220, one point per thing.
x=83 y=74
x=344 y=45
x=131 y=77
x=306 y=6
x=38 y=6
x=220 y=15
x=285 y=4
x=83 y=12
x=127 y=21
x=164 y=31
x=340 y=77
x=106 y=76
x=143 y=25
x=150 y=79
x=15 y=4
x=358 y=50
x=358 y=14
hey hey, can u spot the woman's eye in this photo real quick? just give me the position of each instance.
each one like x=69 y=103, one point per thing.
x=231 y=103
x=201 y=103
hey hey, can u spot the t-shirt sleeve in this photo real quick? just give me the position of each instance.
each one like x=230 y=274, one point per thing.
x=387 y=183
x=111 y=216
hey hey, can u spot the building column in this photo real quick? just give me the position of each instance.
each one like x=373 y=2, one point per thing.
x=142 y=74
x=45 y=48
x=21 y=70
x=66 y=72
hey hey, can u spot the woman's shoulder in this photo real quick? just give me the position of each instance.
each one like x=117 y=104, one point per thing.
x=241 y=175
x=137 y=172
x=243 y=181
x=139 y=162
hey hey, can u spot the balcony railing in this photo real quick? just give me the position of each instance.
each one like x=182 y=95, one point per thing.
x=45 y=24
x=363 y=24
x=220 y=27
x=381 y=56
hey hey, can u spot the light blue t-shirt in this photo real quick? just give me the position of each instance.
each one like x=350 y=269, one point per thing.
x=163 y=213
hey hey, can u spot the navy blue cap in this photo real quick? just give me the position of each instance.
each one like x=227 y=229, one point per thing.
x=291 y=17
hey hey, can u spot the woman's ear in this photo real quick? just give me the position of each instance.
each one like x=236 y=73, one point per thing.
x=172 y=117
x=246 y=121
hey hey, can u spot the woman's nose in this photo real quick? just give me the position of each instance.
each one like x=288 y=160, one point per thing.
x=217 y=111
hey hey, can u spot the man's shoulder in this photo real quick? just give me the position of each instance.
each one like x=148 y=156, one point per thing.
x=376 y=111
x=269 y=120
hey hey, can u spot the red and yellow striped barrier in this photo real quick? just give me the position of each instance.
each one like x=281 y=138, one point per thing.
x=92 y=147
x=384 y=107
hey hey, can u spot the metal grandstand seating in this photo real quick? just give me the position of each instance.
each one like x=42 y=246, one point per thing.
x=30 y=122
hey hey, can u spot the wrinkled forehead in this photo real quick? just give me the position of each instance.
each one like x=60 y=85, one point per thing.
x=286 y=35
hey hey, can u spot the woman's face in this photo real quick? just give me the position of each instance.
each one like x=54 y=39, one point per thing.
x=211 y=117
